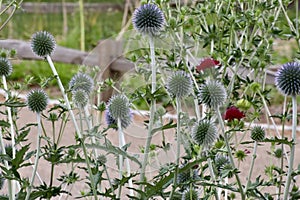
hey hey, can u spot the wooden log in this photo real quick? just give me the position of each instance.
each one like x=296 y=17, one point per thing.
x=107 y=55
x=56 y=7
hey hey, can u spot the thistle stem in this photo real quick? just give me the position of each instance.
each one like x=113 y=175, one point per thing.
x=251 y=167
x=229 y=152
x=152 y=111
x=7 y=166
x=37 y=155
x=292 y=154
x=120 y=156
x=122 y=142
x=61 y=87
x=12 y=133
x=178 y=109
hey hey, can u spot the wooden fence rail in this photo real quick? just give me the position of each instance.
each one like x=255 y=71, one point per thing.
x=107 y=55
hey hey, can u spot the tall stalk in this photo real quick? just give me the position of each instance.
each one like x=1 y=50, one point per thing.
x=37 y=155
x=293 y=146
x=93 y=185
x=12 y=134
x=82 y=26
x=152 y=110
x=230 y=153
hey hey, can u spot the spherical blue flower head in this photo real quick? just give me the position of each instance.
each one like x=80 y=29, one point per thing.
x=287 y=79
x=148 y=19
x=81 y=81
x=5 y=67
x=125 y=122
x=179 y=84
x=42 y=43
x=220 y=162
x=204 y=133
x=212 y=94
x=119 y=107
x=80 y=98
x=37 y=100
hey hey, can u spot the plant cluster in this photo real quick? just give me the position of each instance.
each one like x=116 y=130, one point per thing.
x=225 y=92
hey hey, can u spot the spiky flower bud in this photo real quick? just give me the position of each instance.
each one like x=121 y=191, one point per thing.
x=190 y=194
x=179 y=84
x=212 y=94
x=5 y=67
x=118 y=107
x=287 y=78
x=220 y=162
x=148 y=19
x=258 y=133
x=81 y=81
x=204 y=133
x=101 y=159
x=37 y=100
x=185 y=177
x=42 y=43
x=125 y=121
x=80 y=98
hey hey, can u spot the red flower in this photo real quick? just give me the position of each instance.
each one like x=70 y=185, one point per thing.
x=207 y=63
x=233 y=113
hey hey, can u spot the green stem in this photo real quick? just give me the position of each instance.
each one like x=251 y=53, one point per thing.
x=178 y=109
x=292 y=154
x=75 y=125
x=152 y=111
x=251 y=167
x=7 y=166
x=12 y=132
x=120 y=156
x=82 y=28
x=109 y=180
x=229 y=152
x=37 y=156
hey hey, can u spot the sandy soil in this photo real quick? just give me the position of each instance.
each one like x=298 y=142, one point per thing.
x=136 y=136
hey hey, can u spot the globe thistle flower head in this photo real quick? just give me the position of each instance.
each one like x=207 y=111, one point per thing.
x=42 y=43
x=125 y=121
x=287 y=78
x=179 y=84
x=190 y=194
x=119 y=107
x=148 y=19
x=204 y=133
x=80 y=98
x=185 y=177
x=5 y=67
x=81 y=81
x=221 y=161
x=258 y=133
x=212 y=94
x=37 y=100
x=233 y=113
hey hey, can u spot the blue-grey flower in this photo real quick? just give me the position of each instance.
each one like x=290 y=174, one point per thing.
x=37 y=100
x=81 y=81
x=179 y=84
x=119 y=107
x=42 y=43
x=80 y=98
x=5 y=67
x=287 y=78
x=212 y=94
x=204 y=132
x=148 y=19
x=125 y=121
x=221 y=161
